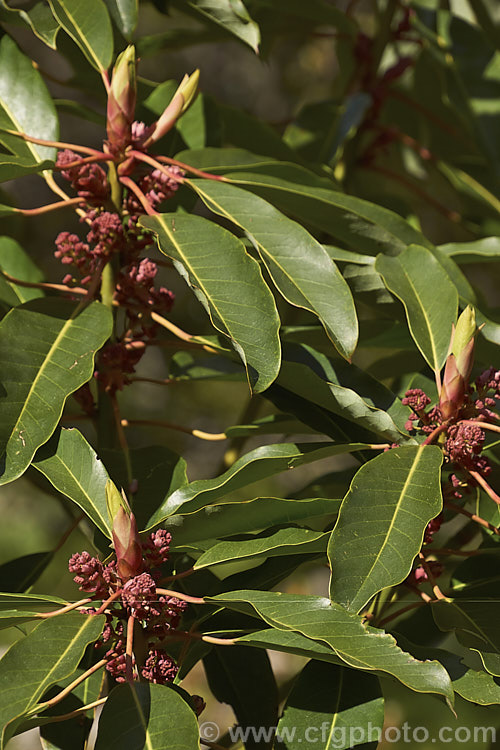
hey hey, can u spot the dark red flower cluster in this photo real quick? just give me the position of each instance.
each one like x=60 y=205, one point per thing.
x=120 y=239
x=155 y=614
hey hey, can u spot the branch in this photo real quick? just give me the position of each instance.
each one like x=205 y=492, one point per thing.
x=180 y=595
x=212 y=436
x=473 y=517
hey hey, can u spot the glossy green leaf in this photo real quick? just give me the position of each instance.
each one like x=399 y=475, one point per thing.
x=478 y=687
x=299 y=266
x=229 y=284
x=219 y=521
x=357 y=645
x=89 y=25
x=345 y=390
x=229 y=672
x=487 y=248
x=333 y=707
x=382 y=521
x=148 y=716
x=40 y=19
x=475 y=625
x=233 y=17
x=363 y=226
x=72 y=466
x=47 y=351
x=18 y=608
x=125 y=15
x=25 y=107
x=12 y=166
x=33 y=664
x=289 y=541
x=429 y=297
x=17 y=263
x=258 y=464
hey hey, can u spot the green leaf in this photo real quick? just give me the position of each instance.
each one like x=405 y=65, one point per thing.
x=219 y=521
x=475 y=625
x=33 y=664
x=39 y=19
x=487 y=248
x=429 y=297
x=333 y=707
x=12 y=166
x=72 y=466
x=345 y=390
x=258 y=464
x=232 y=16
x=229 y=285
x=125 y=14
x=229 y=672
x=289 y=541
x=17 y=608
x=25 y=106
x=357 y=645
x=88 y=23
x=363 y=226
x=382 y=521
x=299 y=266
x=150 y=716
x=16 y=262
x=478 y=687
x=47 y=351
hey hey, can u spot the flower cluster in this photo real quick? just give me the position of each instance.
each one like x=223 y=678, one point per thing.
x=463 y=437
x=155 y=615
x=117 y=238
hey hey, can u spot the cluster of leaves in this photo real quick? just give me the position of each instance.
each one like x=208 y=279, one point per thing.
x=331 y=261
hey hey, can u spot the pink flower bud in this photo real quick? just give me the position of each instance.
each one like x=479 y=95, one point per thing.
x=122 y=100
x=127 y=545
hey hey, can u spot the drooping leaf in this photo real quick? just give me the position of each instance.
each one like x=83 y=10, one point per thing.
x=17 y=263
x=219 y=521
x=230 y=671
x=345 y=390
x=487 y=248
x=144 y=715
x=316 y=285
x=125 y=14
x=478 y=687
x=229 y=284
x=382 y=521
x=47 y=351
x=332 y=706
x=33 y=664
x=475 y=625
x=25 y=107
x=365 y=227
x=72 y=466
x=233 y=17
x=89 y=25
x=429 y=297
x=258 y=464
x=290 y=541
x=357 y=645
x=40 y=19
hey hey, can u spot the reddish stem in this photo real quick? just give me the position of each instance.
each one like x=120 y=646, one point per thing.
x=130 y=184
x=472 y=517
x=435 y=588
x=193 y=170
x=53 y=144
x=201 y=434
x=437 y=431
x=413 y=605
x=483 y=425
x=140 y=156
x=484 y=484
x=129 y=653
x=49 y=207
x=179 y=595
x=87 y=160
x=63 y=610
x=108 y=601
